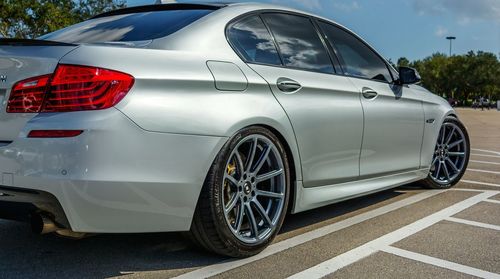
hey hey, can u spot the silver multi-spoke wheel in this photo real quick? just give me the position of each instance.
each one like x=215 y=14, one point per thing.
x=254 y=189
x=450 y=156
x=245 y=196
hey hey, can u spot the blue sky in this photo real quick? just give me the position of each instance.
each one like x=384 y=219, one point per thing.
x=410 y=28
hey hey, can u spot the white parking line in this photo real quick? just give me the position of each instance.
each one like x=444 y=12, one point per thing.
x=473 y=223
x=485 y=162
x=483 y=171
x=371 y=247
x=493 y=201
x=486 y=151
x=488 y=156
x=468 y=190
x=440 y=263
x=480 y=183
x=219 y=268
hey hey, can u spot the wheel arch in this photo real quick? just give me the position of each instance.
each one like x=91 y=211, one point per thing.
x=295 y=167
x=436 y=112
x=286 y=136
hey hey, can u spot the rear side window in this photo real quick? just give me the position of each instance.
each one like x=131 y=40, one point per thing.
x=252 y=41
x=127 y=27
x=299 y=43
x=358 y=59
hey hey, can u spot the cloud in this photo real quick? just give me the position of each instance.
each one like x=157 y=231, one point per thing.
x=346 y=6
x=311 y=5
x=464 y=10
x=318 y=5
x=441 y=31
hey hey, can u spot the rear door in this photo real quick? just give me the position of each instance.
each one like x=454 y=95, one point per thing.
x=323 y=107
x=394 y=116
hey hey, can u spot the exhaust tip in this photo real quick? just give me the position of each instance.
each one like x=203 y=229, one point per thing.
x=42 y=225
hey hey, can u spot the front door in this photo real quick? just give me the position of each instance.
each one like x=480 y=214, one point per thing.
x=393 y=114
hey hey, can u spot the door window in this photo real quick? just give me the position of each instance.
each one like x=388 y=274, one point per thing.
x=358 y=59
x=299 y=43
x=252 y=41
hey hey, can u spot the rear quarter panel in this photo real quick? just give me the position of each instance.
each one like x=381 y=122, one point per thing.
x=175 y=92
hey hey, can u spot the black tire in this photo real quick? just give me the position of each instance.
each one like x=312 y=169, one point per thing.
x=210 y=229
x=431 y=183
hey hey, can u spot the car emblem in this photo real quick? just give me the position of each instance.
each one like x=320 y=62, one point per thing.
x=3 y=78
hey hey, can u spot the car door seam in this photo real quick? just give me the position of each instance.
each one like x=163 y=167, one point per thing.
x=287 y=116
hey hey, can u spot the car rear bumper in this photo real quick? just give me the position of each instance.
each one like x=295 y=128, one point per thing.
x=28 y=201
x=114 y=178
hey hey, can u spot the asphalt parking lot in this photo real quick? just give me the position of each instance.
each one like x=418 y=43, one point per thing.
x=407 y=232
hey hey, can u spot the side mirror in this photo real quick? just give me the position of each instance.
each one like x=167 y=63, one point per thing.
x=408 y=76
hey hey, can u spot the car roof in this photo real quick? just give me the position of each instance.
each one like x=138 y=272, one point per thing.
x=238 y=7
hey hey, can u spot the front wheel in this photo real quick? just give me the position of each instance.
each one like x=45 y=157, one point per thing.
x=245 y=197
x=451 y=155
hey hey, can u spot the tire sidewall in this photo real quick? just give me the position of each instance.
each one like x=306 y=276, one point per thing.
x=216 y=188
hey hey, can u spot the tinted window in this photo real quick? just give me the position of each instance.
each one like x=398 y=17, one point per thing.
x=127 y=27
x=252 y=41
x=359 y=59
x=299 y=43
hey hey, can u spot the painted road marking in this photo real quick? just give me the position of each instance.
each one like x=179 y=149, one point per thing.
x=440 y=263
x=473 y=223
x=480 y=183
x=493 y=201
x=488 y=156
x=485 y=162
x=468 y=190
x=336 y=263
x=483 y=171
x=486 y=151
x=224 y=266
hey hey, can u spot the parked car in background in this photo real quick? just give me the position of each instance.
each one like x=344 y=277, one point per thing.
x=216 y=119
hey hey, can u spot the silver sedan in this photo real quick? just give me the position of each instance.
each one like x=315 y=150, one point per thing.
x=217 y=119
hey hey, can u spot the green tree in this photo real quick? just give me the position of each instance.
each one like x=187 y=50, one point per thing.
x=434 y=73
x=463 y=77
x=32 y=18
x=403 y=62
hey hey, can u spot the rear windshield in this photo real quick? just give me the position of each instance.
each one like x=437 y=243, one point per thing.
x=127 y=27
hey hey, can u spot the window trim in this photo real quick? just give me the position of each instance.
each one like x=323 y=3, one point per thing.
x=334 y=57
x=271 y=34
x=282 y=66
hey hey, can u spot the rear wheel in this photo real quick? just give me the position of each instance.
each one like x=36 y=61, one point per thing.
x=245 y=196
x=451 y=155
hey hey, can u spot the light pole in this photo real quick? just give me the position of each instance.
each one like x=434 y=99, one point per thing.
x=451 y=42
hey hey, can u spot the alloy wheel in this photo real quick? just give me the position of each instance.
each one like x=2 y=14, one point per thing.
x=254 y=188
x=450 y=154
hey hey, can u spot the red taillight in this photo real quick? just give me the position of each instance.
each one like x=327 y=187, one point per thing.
x=27 y=95
x=54 y=133
x=76 y=88
x=73 y=88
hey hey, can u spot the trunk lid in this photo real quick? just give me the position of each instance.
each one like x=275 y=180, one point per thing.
x=19 y=60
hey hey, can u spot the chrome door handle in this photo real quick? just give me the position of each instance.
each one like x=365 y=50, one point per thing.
x=369 y=93
x=288 y=85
